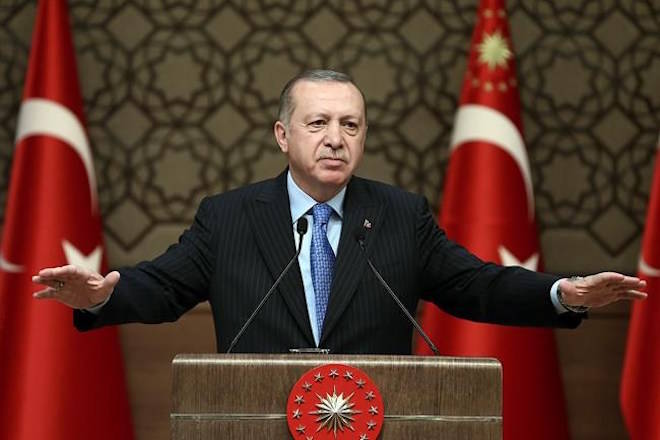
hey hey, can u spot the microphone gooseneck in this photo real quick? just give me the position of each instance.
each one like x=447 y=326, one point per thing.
x=301 y=228
x=360 y=235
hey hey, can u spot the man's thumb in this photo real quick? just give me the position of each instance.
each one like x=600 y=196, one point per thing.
x=112 y=279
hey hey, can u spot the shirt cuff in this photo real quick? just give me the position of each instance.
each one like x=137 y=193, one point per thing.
x=554 y=297
x=97 y=308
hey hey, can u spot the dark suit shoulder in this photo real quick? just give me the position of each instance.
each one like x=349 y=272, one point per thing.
x=385 y=193
x=264 y=189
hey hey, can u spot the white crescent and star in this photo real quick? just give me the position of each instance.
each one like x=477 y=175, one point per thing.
x=7 y=266
x=481 y=123
x=72 y=254
x=648 y=270
x=39 y=116
x=90 y=262
x=508 y=259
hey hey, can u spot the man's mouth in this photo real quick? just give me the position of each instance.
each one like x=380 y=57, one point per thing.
x=332 y=162
x=332 y=158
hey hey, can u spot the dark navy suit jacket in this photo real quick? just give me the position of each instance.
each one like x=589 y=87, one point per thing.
x=241 y=240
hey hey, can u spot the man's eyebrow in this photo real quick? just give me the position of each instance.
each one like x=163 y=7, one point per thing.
x=317 y=115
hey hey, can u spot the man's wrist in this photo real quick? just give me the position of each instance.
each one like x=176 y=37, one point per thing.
x=560 y=298
x=96 y=308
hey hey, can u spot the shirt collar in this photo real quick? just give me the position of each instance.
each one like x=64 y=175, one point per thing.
x=300 y=202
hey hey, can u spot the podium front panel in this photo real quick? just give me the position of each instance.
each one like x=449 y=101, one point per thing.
x=243 y=396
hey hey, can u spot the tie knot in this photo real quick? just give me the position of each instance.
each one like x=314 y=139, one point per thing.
x=321 y=213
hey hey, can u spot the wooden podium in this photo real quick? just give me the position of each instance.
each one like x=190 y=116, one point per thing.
x=243 y=396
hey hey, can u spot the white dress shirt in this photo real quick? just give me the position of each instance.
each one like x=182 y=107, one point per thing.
x=301 y=205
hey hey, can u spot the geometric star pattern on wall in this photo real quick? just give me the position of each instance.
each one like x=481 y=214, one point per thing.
x=180 y=99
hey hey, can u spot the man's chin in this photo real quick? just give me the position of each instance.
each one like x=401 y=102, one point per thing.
x=335 y=178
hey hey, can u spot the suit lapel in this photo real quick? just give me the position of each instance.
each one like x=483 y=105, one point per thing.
x=270 y=216
x=350 y=264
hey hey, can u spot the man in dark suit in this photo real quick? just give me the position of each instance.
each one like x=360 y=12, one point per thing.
x=240 y=241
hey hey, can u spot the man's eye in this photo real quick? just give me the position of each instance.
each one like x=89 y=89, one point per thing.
x=317 y=123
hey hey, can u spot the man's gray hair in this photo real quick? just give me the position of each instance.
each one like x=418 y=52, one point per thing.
x=316 y=75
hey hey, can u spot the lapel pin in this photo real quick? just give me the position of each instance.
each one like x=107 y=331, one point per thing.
x=366 y=224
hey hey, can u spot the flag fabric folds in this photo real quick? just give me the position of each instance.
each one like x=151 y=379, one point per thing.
x=55 y=383
x=640 y=381
x=488 y=207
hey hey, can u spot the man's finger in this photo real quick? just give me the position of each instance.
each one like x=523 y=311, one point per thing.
x=47 y=272
x=624 y=288
x=628 y=281
x=50 y=271
x=44 y=276
x=62 y=272
x=614 y=286
x=47 y=293
x=634 y=295
x=50 y=282
x=67 y=272
x=604 y=278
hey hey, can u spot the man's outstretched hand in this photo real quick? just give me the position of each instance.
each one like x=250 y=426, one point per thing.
x=601 y=289
x=74 y=286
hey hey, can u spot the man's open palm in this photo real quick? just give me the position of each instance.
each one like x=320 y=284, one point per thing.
x=74 y=286
x=601 y=289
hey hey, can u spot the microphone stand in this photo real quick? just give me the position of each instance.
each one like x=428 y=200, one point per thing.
x=301 y=228
x=360 y=238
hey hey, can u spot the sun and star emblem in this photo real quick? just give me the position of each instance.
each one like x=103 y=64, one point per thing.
x=494 y=51
x=335 y=412
x=335 y=402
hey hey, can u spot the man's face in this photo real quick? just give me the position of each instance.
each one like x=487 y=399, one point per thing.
x=324 y=140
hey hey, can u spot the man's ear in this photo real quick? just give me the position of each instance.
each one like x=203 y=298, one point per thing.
x=279 y=129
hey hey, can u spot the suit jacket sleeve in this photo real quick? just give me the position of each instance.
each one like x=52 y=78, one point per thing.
x=163 y=289
x=463 y=285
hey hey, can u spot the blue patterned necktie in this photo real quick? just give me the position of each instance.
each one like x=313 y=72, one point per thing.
x=323 y=261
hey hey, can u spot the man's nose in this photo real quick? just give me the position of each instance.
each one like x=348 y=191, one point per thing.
x=333 y=137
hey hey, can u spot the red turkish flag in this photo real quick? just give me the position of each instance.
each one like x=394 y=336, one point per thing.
x=640 y=382
x=55 y=383
x=488 y=207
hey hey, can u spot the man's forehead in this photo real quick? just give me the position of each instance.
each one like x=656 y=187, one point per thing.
x=323 y=84
x=307 y=92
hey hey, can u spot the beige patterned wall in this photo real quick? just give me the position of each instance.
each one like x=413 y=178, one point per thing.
x=181 y=96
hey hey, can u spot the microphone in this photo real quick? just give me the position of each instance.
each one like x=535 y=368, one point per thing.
x=360 y=236
x=301 y=228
